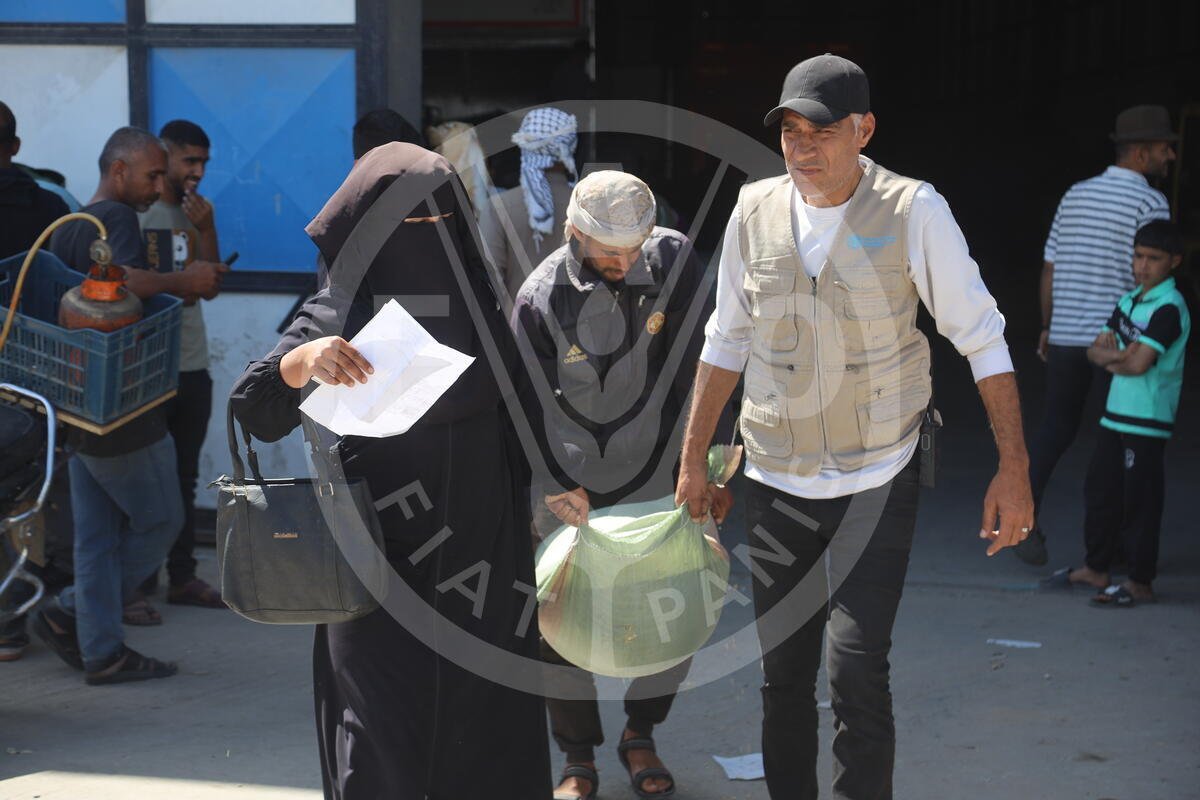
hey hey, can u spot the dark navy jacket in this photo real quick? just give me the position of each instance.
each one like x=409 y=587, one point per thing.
x=618 y=359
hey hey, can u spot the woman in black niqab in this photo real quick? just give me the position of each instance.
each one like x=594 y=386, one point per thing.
x=395 y=719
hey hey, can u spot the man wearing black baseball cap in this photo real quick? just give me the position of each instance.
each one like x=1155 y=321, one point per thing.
x=823 y=90
x=821 y=275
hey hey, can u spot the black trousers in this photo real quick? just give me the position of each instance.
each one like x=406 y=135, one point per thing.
x=1123 y=493
x=1069 y=379
x=575 y=724
x=846 y=559
x=187 y=420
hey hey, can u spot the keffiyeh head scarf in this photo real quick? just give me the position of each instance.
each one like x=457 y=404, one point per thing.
x=546 y=135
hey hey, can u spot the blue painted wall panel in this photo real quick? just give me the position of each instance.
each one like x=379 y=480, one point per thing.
x=62 y=10
x=280 y=121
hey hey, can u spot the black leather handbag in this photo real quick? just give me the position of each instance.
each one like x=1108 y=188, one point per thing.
x=285 y=545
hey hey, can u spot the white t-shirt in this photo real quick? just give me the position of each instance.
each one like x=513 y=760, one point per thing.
x=946 y=279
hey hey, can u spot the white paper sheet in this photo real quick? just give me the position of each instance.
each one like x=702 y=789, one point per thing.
x=742 y=768
x=1020 y=644
x=412 y=370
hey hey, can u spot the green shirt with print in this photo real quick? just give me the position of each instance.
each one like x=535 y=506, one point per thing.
x=1146 y=404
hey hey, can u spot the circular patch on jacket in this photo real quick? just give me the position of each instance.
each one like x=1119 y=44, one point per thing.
x=655 y=323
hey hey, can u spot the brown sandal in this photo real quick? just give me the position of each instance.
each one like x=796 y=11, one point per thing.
x=195 y=593
x=129 y=665
x=140 y=612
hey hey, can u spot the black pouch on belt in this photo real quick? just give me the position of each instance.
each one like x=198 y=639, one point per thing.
x=931 y=422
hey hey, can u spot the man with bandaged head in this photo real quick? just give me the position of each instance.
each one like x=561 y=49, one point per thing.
x=614 y=319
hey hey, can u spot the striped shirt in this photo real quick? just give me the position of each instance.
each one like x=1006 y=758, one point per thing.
x=1091 y=247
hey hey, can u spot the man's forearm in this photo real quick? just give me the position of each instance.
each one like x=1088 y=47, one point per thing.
x=1046 y=292
x=709 y=396
x=1003 y=404
x=1103 y=356
x=147 y=282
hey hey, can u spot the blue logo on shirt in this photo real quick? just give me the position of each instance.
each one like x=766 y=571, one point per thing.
x=857 y=242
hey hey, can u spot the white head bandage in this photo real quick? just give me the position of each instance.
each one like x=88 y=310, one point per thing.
x=614 y=208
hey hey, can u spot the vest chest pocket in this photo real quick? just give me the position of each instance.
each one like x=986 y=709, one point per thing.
x=868 y=307
x=773 y=306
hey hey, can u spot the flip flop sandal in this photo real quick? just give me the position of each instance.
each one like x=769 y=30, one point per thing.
x=63 y=644
x=1060 y=581
x=639 y=780
x=1117 y=596
x=579 y=771
x=1114 y=596
x=140 y=612
x=195 y=593
x=128 y=666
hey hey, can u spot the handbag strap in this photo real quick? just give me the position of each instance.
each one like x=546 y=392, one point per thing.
x=239 y=470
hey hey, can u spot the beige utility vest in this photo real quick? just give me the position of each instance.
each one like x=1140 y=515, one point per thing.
x=838 y=373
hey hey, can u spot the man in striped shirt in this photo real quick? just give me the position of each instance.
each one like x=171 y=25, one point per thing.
x=1085 y=271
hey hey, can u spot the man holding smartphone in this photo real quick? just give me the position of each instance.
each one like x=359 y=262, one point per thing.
x=181 y=233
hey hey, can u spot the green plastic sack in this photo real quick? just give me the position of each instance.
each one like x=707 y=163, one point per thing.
x=638 y=589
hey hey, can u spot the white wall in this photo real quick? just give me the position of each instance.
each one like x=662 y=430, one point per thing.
x=241 y=329
x=260 y=12
x=68 y=100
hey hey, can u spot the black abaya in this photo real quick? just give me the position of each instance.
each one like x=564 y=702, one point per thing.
x=394 y=719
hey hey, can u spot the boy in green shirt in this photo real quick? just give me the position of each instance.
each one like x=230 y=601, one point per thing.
x=1143 y=347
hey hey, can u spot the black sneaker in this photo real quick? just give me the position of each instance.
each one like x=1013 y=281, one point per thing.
x=65 y=645
x=1033 y=550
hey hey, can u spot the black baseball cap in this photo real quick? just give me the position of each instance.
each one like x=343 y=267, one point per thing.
x=823 y=90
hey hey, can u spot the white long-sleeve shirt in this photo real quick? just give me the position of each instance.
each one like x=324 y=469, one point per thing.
x=946 y=279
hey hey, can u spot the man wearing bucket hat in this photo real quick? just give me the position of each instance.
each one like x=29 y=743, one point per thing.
x=1085 y=271
x=612 y=319
x=820 y=278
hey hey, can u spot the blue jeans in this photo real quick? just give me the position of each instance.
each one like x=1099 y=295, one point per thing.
x=127 y=512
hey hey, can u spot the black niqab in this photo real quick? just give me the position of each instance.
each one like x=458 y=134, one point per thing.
x=395 y=719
